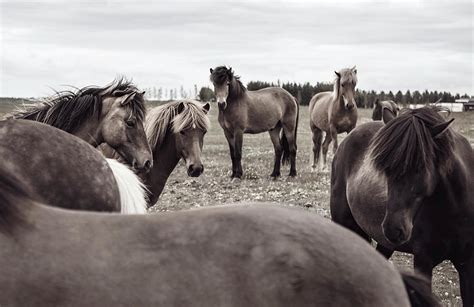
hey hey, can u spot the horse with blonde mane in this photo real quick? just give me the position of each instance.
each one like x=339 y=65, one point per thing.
x=175 y=131
x=379 y=106
x=112 y=114
x=333 y=112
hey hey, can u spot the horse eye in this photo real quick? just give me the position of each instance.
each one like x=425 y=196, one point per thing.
x=130 y=123
x=342 y=84
x=182 y=132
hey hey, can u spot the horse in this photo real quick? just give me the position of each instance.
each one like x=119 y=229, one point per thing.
x=379 y=105
x=64 y=171
x=241 y=111
x=408 y=185
x=112 y=114
x=333 y=112
x=175 y=131
x=236 y=255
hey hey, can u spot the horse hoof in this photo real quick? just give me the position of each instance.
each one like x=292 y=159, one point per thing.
x=292 y=174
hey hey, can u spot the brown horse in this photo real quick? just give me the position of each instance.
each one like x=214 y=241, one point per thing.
x=64 y=171
x=333 y=112
x=174 y=130
x=271 y=109
x=252 y=255
x=408 y=185
x=380 y=105
x=112 y=114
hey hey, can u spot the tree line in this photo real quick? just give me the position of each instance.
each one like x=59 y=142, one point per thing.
x=364 y=99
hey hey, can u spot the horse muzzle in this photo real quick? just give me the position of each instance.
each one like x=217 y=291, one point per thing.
x=222 y=105
x=195 y=170
x=396 y=234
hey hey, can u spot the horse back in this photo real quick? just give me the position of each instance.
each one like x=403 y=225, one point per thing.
x=268 y=107
x=57 y=167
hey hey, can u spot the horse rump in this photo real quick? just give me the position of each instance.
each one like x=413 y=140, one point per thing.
x=419 y=290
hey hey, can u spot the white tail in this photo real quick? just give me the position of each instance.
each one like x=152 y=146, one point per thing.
x=132 y=190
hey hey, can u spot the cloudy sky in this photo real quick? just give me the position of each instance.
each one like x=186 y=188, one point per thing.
x=411 y=44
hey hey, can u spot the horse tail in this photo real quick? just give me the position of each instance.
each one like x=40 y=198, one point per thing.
x=419 y=290
x=132 y=190
x=284 y=141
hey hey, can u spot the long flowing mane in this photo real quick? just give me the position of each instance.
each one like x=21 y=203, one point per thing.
x=162 y=119
x=68 y=110
x=405 y=144
x=222 y=74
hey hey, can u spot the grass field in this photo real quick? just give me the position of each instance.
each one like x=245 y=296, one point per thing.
x=308 y=190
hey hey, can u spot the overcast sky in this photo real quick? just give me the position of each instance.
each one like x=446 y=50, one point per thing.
x=395 y=44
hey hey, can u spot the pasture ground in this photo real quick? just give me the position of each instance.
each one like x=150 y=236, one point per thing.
x=309 y=190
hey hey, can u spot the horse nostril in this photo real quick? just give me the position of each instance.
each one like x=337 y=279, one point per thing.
x=147 y=164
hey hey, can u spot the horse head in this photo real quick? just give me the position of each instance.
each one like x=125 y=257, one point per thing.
x=408 y=150
x=345 y=86
x=122 y=127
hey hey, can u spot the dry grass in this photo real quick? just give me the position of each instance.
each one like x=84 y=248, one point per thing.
x=308 y=190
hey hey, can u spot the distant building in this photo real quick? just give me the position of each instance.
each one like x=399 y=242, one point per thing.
x=468 y=103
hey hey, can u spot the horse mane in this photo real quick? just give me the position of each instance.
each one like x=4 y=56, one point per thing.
x=163 y=118
x=222 y=74
x=405 y=144
x=11 y=194
x=68 y=110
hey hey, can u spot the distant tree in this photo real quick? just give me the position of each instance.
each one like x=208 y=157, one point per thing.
x=160 y=93
x=206 y=94
x=399 y=97
x=416 y=97
x=195 y=91
x=407 y=98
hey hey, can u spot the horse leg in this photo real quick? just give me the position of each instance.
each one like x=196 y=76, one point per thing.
x=333 y=132
x=385 y=251
x=327 y=141
x=317 y=140
x=238 y=140
x=230 y=141
x=290 y=137
x=275 y=137
x=466 y=280
x=424 y=265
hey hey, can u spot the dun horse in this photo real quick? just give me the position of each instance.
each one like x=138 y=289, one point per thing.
x=333 y=112
x=113 y=114
x=408 y=185
x=271 y=109
x=380 y=105
x=174 y=130
x=224 y=256
x=62 y=170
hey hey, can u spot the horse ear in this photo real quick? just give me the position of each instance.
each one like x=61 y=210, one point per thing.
x=387 y=115
x=143 y=93
x=376 y=102
x=206 y=107
x=180 y=107
x=439 y=129
x=211 y=70
x=337 y=74
x=127 y=98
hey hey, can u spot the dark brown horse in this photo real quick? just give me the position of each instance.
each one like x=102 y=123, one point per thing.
x=62 y=170
x=333 y=112
x=380 y=105
x=112 y=114
x=271 y=109
x=408 y=185
x=252 y=255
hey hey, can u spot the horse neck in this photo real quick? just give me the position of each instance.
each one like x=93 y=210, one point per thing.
x=165 y=159
x=237 y=92
x=90 y=131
